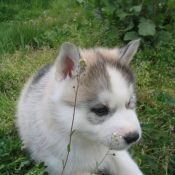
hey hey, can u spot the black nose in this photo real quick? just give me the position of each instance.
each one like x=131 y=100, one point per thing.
x=131 y=137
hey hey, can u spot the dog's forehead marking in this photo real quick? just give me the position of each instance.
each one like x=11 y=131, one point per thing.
x=120 y=92
x=99 y=78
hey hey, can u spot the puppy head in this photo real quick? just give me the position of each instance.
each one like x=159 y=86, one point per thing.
x=105 y=101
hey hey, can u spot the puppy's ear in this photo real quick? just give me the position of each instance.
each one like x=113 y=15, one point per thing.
x=67 y=61
x=127 y=52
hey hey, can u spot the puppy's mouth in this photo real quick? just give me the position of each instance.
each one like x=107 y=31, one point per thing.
x=119 y=142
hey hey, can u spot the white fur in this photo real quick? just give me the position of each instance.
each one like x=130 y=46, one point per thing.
x=44 y=122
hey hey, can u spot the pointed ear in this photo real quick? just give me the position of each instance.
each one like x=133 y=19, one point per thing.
x=127 y=52
x=68 y=61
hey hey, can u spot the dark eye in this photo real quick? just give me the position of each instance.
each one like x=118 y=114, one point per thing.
x=100 y=110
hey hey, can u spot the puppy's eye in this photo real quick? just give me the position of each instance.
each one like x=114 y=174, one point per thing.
x=100 y=110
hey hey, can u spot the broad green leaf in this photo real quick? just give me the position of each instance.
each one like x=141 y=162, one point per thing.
x=164 y=37
x=137 y=8
x=145 y=2
x=131 y=36
x=143 y=19
x=108 y=11
x=146 y=27
x=159 y=19
x=96 y=13
x=2 y=166
x=23 y=164
x=151 y=162
x=171 y=102
x=171 y=4
x=130 y=26
x=123 y=2
x=169 y=27
x=110 y=5
x=120 y=13
x=68 y=147
x=112 y=35
x=41 y=165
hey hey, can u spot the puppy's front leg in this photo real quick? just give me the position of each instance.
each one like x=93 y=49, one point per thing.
x=122 y=164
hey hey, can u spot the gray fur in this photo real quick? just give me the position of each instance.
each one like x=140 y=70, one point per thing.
x=41 y=73
x=127 y=52
x=96 y=120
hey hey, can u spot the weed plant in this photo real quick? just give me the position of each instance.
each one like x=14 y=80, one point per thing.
x=33 y=38
x=151 y=20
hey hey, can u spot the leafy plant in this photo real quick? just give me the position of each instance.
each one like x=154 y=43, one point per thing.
x=148 y=19
x=52 y=38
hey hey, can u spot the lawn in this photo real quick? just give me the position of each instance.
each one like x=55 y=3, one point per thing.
x=31 y=32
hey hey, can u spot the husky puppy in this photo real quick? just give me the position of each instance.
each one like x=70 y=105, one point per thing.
x=105 y=123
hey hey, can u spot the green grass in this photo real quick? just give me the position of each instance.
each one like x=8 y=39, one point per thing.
x=40 y=26
x=33 y=39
